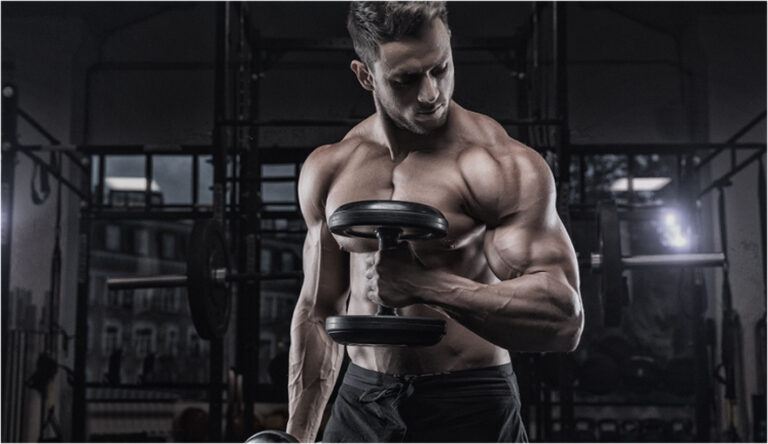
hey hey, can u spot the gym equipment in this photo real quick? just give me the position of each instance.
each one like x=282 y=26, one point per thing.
x=389 y=221
x=611 y=263
x=271 y=436
x=209 y=273
x=207 y=279
x=209 y=314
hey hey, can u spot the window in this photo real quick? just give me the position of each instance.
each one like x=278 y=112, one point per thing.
x=168 y=246
x=127 y=299
x=143 y=341
x=267 y=306
x=112 y=238
x=98 y=289
x=266 y=260
x=146 y=297
x=168 y=299
x=127 y=242
x=111 y=339
x=90 y=336
x=172 y=342
x=117 y=199
x=112 y=298
x=193 y=343
x=141 y=242
x=287 y=262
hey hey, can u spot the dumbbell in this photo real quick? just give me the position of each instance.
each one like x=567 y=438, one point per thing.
x=389 y=221
x=271 y=436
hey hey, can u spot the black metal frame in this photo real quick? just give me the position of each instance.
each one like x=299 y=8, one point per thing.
x=236 y=129
x=9 y=143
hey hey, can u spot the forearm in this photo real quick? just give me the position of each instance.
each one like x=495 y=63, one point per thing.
x=315 y=361
x=534 y=312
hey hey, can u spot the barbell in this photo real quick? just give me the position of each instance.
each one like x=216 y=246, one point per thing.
x=209 y=273
x=207 y=279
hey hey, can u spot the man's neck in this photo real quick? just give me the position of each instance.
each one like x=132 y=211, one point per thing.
x=401 y=142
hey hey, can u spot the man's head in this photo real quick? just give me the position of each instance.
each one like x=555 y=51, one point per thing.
x=406 y=60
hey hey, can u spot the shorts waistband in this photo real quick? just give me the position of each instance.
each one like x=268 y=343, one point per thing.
x=361 y=377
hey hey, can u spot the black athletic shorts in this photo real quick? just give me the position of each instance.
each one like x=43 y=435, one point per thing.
x=478 y=405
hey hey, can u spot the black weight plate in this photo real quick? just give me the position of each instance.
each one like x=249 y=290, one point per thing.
x=360 y=219
x=612 y=281
x=398 y=331
x=209 y=302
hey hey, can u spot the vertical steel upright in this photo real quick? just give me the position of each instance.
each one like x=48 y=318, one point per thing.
x=9 y=142
x=219 y=157
x=562 y=141
x=79 y=409
x=249 y=296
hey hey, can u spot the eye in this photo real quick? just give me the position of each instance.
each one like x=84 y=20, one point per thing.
x=404 y=81
x=437 y=72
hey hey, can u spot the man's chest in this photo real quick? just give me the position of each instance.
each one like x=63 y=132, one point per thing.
x=427 y=180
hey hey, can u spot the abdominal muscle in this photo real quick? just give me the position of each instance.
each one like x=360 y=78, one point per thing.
x=459 y=349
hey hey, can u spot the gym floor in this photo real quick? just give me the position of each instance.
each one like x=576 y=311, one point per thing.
x=128 y=127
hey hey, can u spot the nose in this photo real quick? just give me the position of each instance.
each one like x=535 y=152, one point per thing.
x=428 y=92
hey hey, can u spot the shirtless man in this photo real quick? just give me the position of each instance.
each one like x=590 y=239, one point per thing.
x=505 y=277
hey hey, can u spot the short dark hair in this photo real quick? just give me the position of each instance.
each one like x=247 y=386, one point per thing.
x=373 y=23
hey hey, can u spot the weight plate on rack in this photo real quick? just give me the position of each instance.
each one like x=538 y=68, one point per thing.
x=209 y=301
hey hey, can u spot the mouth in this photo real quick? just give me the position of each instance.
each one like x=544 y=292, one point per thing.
x=430 y=112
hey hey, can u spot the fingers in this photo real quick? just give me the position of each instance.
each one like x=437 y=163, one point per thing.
x=371 y=289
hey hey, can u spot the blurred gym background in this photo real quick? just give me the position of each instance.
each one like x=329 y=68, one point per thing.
x=125 y=122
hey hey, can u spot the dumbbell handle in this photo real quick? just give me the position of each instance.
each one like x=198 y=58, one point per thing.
x=388 y=238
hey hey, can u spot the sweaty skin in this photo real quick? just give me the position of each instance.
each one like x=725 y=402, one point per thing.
x=505 y=277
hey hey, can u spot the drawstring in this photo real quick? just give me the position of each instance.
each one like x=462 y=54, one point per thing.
x=399 y=390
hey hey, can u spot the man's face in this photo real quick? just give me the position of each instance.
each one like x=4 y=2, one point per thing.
x=413 y=79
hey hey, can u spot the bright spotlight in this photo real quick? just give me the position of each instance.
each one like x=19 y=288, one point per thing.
x=672 y=230
x=678 y=240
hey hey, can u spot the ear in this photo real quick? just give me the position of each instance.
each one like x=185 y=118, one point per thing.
x=364 y=76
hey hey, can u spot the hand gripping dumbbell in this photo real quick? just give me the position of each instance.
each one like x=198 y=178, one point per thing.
x=389 y=221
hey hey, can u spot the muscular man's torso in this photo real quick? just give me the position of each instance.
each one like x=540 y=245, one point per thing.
x=434 y=177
